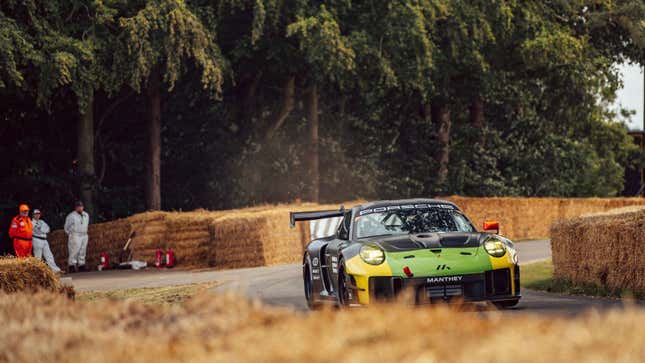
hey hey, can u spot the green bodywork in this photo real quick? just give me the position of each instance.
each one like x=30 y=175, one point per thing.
x=445 y=262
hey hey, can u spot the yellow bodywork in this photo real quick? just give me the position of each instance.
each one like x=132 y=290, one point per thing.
x=362 y=271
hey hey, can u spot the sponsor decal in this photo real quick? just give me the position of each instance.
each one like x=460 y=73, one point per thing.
x=22 y=224
x=315 y=261
x=334 y=258
x=442 y=279
x=13 y=225
x=315 y=271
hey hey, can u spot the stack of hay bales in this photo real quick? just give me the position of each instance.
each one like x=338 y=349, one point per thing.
x=248 y=237
x=257 y=239
x=26 y=274
x=522 y=218
x=602 y=249
x=188 y=236
x=106 y=237
x=260 y=235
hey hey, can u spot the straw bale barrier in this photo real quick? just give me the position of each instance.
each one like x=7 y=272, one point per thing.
x=260 y=235
x=522 y=218
x=602 y=249
x=26 y=275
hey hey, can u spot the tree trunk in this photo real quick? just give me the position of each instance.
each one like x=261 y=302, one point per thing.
x=85 y=155
x=289 y=90
x=153 y=148
x=443 y=123
x=313 y=162
x=477 y=119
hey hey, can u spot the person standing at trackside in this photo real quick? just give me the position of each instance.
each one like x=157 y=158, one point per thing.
x=21 y=232
x=40 y=244
x=76 y=225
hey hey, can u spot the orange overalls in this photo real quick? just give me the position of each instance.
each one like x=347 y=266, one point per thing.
x=21 y=232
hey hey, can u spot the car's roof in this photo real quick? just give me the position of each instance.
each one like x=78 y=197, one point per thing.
x=387 y=203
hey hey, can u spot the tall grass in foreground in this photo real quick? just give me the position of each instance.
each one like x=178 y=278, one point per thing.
x=213 y=328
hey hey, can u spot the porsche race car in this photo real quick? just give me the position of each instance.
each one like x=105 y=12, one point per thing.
x=425 y=246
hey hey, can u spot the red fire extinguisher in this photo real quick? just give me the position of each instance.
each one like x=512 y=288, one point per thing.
x=170 y=258
x=105 y=263
x=159 y=256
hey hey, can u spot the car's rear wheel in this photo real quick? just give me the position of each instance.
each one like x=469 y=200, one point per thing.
x=309 y=285
x=343 y=290
x=506 y=303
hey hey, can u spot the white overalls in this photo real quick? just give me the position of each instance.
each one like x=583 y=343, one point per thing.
x=40 y=244
x=76 y=228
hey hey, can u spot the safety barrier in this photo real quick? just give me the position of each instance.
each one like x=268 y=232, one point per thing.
x=604 y=249
x=261 y=236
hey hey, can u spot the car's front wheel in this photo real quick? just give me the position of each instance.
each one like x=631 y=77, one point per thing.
x=344 y=293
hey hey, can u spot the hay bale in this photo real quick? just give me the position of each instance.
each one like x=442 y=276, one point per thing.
x=604 y=249
x=260 y=235
x=26 y=274
x=522 y=218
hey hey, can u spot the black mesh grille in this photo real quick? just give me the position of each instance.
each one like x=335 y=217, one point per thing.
x=498 y=282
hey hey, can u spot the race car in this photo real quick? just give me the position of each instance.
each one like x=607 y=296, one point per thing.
x=425 y=246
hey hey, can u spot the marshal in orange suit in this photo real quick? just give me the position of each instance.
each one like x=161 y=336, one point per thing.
x=21 y=232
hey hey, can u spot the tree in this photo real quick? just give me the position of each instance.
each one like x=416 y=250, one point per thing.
x=154 y=47
x=328 y=59
x=57 y=57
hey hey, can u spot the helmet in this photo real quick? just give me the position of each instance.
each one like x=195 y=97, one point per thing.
x=23 y=208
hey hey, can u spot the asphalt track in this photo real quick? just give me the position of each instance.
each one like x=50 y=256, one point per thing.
x=282 y=285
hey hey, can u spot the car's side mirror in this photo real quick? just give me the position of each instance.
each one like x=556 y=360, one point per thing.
x=491 y=226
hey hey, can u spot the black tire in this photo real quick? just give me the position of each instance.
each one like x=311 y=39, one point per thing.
x=309 y=285
x=506 y=303
x=343 y=291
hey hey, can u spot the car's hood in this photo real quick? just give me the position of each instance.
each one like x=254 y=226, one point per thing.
x=408 y=242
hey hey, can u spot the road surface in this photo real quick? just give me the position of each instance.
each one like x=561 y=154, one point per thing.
x=282 y=285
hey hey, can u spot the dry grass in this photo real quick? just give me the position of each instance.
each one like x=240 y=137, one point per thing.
x=211 y=328
x=171 y=295
x=260 y=235
x=28 y=274
x=539 y=276
x=603 y=249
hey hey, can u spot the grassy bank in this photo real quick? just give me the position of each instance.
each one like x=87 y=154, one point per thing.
x=171 y=295
x=539 y=276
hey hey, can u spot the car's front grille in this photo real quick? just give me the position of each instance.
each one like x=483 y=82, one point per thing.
x=438 y=292
x=474 y=287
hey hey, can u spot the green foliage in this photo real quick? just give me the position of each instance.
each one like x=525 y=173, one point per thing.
x=544 y=71
x=159 y=40
x=322 y=44
x=15 y=51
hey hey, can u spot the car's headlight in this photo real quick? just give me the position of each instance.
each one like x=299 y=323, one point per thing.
x=372 y=254
x=495 y=247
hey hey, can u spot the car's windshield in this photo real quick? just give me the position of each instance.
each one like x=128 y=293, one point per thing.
x=428 y=220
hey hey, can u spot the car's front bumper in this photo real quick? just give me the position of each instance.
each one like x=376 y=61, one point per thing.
x=494 y=285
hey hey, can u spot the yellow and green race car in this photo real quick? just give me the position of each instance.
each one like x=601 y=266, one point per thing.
x=425 y=246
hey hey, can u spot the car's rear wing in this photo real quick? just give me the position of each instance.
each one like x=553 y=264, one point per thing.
x=310 y=216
